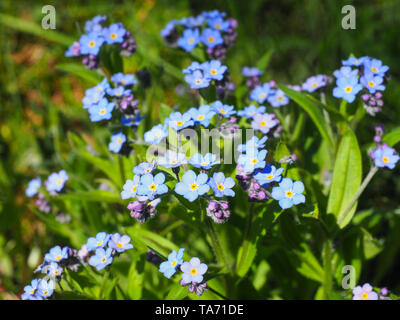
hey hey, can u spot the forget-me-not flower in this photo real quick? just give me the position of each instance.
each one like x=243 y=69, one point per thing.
x=168 y=268
x=204 y=162
x=222 y=186
x=120 y=243
x=152 y=186
x=288 y=193
x=193 y=271
x=101 y=259
x=117 y=140
x=33 y=187
x=56 y=181
x=130 y=188
x=192 y=186
x=100 y=241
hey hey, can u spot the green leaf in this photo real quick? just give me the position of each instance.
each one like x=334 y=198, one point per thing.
x=309 y=265
x=91 y=196
x=313 y=111
x=346 y=180
x=177 y=292
x=80 y=71
x=35 y=29
x=263 y=62
x=392 y=137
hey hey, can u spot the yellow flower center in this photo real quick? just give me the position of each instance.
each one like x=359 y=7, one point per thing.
x=280 y=98
x=262 y=96
x=193 y=186
x=134 y=189
x=254 y=161
x=179 y=123
x=385 y=159
x=191 y=40
x=45 y=293
x=210 y=39
x=113 y=35
x=59 y=182
x=371 y=83
x=119 y=245
x=200 y=117
x=198 y=81
x=314 y=85
x=263 y=123
x=217 y=26
x=193 y=271
x=103 y=260
x=289 y=194
x=119 y=141
x=348 y=89
x=220 y=187
x=203 y=164
x=99 y=243
x=364 y=295
x=58 y=258
x=33 y=291
x=92 y=44
x=102 y=112
x=174 y=263
x=222 y=111
x=153 y=187
x=270 y=177
x=374 y=69
x=213 y=72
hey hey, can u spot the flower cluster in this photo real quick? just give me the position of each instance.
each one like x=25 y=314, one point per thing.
x=367 y=292
x=90 y=43
x=201 y=75
x=209 y=29
x=357 y=74
x=267 y=92
x=383 y=155
x=315 y=83
x=192 y=271
x=58 y=259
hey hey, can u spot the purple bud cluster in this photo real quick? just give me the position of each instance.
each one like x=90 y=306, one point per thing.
x=373 y=103
x=128 y=46
x=142 y=210
x=198 y=288
x=218 y=211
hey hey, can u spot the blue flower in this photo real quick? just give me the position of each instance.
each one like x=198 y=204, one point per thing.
x=143 y=168
x=202 y=115
x=289 y=193
x=345 y=72
x=114 y=33
x=251 y=72
x=168 y=268
x=192 y=186
x=56 y=254
x=372 y=83
x=56 y=181
x=100 y=241
x=179 y=121
x=268 y=175
x=206 y=162
x=264 y=122
x=95 y=24
x=213 y=14
x=253 y=143
x=46 y=288
x=53 y=270
x=131 y=120
x=117 y=140
x=192 y=22
x=119 y=92
x=385 y=157
x=193 y=271
x=347 y=88
x=375 y=67
x=313 y=83
x=197 y=80
x=250 y=111
x=33 y=187
x=189 y=40
x=260 y=93
x=101 y=111
x=218 y=24
x=102 y=258
x=353 y=61
x=222 y=186
x=214 y=70
x=120 y=243
x=31 y=290
x=211 y=38
x=223 y=109
x=252 y=159
x=193 y=67
x=130 y=188
x=278 y=98
x=92 y=96
x=91 y=43
x=152 y=186
x=124 y=79
x=171 y=159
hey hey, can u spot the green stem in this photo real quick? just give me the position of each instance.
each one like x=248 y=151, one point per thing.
x=121 y=168
x=219 y=252
x=247 y=234
x=364 y=184
x=327 y=259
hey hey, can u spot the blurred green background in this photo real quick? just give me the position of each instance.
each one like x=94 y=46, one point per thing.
x=39 y=102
